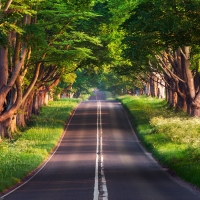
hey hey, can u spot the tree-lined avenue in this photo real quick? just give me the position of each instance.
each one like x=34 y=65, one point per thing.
x=129 y=172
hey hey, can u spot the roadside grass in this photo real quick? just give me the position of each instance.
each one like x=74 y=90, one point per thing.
x=172 y=137
x=30 y=148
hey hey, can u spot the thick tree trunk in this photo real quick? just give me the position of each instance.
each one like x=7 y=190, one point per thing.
x=41 y=94
x=35 y=108
x=29 y=106
x=5 y=128
x=152 y=91
x=21 y=119
x=46 y=100
x=21 y=115
x=189 y=75
x=13 y=125
x=3 y=75
x=3 y=66
x=195 y=106
x=147 y=88
x=24 y=115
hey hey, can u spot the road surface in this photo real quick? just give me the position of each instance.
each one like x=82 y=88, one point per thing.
x=100 y=158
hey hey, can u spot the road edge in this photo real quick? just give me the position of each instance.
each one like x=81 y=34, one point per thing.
x=33 y=173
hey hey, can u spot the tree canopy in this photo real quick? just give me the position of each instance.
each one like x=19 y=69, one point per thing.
x=118 y=45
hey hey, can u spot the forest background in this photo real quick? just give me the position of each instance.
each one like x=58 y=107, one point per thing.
x=63 y=47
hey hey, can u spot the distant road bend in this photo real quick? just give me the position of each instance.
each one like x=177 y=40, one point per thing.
x=100 y=158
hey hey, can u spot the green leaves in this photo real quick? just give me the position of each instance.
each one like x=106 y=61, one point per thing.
x=34 y=36
x=154 y=26
x=3 y=39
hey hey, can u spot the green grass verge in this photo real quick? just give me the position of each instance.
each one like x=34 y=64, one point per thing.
x=32 y=146
x=172 y=137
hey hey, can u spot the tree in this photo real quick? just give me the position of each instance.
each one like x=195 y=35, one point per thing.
x=157 y=31
x=39 y=42
x=14 y=54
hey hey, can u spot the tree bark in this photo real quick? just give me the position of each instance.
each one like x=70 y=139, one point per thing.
x=7 y=5
x=3 y=74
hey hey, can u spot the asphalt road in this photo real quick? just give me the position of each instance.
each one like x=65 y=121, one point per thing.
x=100 y=158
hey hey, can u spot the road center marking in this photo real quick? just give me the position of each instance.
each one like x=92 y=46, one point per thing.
x=100 y=188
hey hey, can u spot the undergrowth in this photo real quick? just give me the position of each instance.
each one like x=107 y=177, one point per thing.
x=172 y=137
x=30 y=148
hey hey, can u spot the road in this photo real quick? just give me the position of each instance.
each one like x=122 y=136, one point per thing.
x=100 y=158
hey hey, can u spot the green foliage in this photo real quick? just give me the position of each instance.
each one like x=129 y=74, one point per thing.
x=34 y=36
x=112 y=82
x=31 y=147
x=79 y=5
x=9 y=19
x=3 y=39
x=85 y=83
x=173 y=138
x=69 y=78
x=155 y=25
x=66 y=43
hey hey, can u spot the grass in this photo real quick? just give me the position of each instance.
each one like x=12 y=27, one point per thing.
x=172 y=137
x=31 y=147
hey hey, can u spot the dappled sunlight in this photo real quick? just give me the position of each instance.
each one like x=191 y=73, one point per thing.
x=77 y=158
x=84 y=124
x=85 y=114
x=175 y=131
x=90 y=113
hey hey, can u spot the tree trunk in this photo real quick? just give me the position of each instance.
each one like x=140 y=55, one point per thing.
x=35 y=108
x=195 y=106
x=41 y=97
x=152 y=91
x=3 y=75
x=21 y=121
x=3 y=66
x=13 y=125
x=5 y=129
